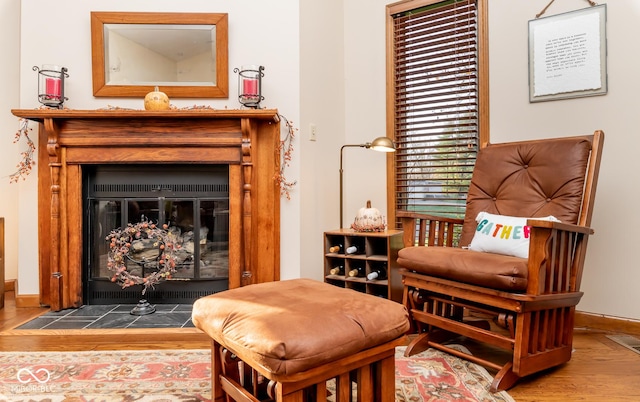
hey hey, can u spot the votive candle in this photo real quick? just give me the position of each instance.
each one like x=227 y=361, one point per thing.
x=53 y=87
x=250 y=86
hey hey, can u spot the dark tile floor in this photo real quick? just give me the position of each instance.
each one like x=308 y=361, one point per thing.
x=114 y=316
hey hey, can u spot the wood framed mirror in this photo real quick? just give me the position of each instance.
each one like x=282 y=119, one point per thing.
x=184 y=54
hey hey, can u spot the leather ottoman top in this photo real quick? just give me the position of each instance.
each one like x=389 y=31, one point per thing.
x=290 y=326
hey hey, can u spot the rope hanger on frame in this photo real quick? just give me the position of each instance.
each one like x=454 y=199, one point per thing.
x=592 y=3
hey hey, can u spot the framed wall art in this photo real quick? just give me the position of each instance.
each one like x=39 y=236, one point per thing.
x=568 y=55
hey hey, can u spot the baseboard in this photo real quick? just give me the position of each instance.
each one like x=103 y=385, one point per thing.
x=10 y=285
x=606 y=323
x=28 y=301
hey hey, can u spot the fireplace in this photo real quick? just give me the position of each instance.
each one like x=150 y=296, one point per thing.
x=193 y=201
x=76 y=145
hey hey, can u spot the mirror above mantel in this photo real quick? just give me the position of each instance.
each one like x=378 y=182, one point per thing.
x=184 y=54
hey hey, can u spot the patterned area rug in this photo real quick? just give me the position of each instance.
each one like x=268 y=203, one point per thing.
x=109 y=376
x=436 y=376
x=184 y=375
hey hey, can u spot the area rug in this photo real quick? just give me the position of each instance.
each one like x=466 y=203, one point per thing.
x=184 y=375
x=434 y=376
x=109 y=376
x=437 y=376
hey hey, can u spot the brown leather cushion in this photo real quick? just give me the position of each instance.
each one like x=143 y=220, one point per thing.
x=530 y=179
x=490 y=270
x=294 y=325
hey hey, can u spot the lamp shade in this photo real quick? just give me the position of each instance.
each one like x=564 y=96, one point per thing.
x=383 y=144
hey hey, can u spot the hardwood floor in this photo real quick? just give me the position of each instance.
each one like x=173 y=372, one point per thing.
x=600 y=369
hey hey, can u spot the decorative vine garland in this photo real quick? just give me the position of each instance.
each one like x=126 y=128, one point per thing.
x=27 y=162
x=121 y=242
x=285 y=149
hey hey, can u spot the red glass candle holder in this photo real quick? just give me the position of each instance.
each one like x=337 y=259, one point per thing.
x=51 y=85
x=250 y=85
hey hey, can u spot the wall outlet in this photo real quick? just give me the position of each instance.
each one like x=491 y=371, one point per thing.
x=313 y=131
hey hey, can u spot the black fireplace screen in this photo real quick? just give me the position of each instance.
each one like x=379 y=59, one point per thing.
x=193 y=201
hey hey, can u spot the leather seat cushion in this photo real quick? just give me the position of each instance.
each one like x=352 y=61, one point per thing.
x=294 y=325
x=489 y=270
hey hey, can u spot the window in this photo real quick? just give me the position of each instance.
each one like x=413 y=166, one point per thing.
x=437 y=101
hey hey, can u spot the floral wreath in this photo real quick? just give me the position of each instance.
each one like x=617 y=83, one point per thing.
x=120 y=241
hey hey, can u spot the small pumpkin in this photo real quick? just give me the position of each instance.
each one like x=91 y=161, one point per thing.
x=368 y=220
x=156 y=100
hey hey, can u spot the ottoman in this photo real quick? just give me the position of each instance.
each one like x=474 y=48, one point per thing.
x=284 y=340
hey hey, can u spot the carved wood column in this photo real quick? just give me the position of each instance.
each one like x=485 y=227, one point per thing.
x=247 y=167
x=56 y=297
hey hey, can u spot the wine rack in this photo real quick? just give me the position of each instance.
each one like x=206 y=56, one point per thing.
x=376 y=250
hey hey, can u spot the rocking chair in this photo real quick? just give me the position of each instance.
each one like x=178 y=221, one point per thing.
x=461 y=280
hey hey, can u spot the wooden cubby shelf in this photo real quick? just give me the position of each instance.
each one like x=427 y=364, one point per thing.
x=376 y=250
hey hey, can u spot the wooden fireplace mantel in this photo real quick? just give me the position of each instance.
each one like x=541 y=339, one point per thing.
x=246 y=140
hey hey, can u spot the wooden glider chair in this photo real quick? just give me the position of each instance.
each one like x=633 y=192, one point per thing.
x=523 y=303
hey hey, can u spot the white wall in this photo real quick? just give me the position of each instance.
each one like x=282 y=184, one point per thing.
x=264 y=32
x=322 y=57
x=365 y=83
x=9 y=152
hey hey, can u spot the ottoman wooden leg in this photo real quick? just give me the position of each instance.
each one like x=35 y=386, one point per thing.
x=216 y=369
x=387 y=380
x=234 y=380
x=343 y=387
x=366 y=383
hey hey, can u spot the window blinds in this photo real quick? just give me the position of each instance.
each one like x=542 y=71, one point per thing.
x=436 y=106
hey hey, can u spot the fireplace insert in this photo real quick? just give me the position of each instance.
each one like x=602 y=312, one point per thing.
x=192 y=200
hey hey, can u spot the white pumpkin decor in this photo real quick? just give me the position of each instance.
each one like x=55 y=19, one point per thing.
x=369 y=220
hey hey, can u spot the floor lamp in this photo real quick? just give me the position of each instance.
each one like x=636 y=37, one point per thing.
x=380 y=144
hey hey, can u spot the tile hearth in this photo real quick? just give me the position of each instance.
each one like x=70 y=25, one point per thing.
x=113 y=316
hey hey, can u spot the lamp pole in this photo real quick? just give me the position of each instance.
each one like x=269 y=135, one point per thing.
x=367 y=145
x=380 y=144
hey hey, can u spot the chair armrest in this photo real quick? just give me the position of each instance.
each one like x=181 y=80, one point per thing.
x=431 y=230
x=556 y=256
x=560 y=226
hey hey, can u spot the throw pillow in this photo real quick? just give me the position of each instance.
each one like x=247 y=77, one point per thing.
x=501 y=234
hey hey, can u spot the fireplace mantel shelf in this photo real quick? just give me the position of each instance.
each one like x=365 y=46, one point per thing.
x=247 y=140
x=42 y=114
